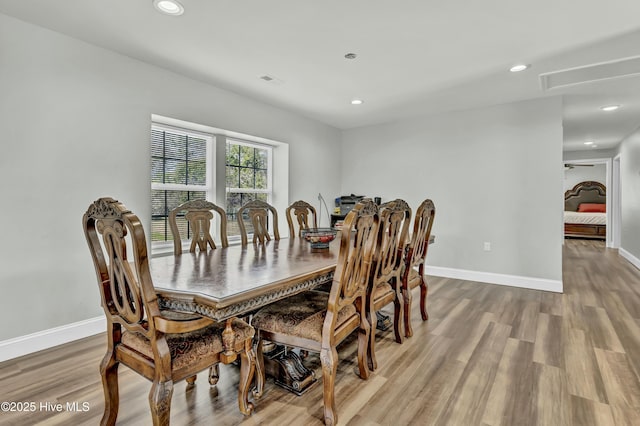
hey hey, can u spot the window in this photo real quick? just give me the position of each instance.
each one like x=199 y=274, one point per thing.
x=189 y=161
x=248 y=177
x=181 y=170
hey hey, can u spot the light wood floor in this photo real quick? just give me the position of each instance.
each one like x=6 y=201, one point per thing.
x=489 y=355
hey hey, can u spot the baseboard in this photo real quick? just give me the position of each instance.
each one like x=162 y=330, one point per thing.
x=500 y=279
x=631 y=258
x=24 y=345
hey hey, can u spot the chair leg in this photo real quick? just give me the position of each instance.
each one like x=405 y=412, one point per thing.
x=423 y=298
x=365 y=353
x=329 y=360
x=214 y=374
x=247 y=370
x=160 y=402
x=109 y=373
x=398 y=315
x=260 y=373
x=371 y=347
x=406 y=293
x=191 y=379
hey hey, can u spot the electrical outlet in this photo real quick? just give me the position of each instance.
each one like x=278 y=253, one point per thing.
x=487 y=246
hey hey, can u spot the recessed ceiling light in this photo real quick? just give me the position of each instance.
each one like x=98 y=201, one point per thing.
x=169 y=7
x=357 y=102
x=610 y=107
x=519 y=67
x=588 y=143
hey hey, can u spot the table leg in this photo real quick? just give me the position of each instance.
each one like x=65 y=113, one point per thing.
x=288 y=371
x=383 y=321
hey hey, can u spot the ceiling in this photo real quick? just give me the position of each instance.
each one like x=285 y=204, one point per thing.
x=414 y=57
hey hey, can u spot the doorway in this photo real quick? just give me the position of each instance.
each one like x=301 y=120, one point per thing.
x=613 y=202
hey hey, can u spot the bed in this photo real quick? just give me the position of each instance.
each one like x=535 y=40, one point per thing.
x=585 y=211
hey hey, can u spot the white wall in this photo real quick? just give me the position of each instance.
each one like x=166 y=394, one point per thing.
x=596 y=173
x=495 y=175
x=75 y=123
x=630 y=197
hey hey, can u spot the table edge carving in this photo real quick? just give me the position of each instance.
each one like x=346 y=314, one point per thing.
x=243 y=307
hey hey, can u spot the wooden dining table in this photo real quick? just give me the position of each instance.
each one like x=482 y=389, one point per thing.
x=237 y=280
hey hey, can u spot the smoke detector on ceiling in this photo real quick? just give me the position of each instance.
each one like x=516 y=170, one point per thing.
x=271 y=79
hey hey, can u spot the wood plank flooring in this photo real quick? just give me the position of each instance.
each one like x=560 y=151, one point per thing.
x=489 y=355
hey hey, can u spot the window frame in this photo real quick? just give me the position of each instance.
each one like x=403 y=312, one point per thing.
x=269 y=149
x=210 y=168
x=268 y=191
x=279 y=170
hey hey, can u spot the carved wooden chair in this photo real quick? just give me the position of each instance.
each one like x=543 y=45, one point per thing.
x=301 y=211
x=318 y=321
x=387 y=269
x=258 y=212
x=163 y=346
x=416 y=253
x=198 y=214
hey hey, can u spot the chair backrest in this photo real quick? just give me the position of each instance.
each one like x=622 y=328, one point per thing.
x=126 y=288
x=258 y=212
x=419 y=244
x=198 y=214
x=301 y=210
x=392 y=236
x=357 y=242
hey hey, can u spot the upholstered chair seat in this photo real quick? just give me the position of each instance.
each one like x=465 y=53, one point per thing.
x=301 y=316
x=190 y=348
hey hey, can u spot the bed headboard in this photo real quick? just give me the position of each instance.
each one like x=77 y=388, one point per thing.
x=585 y=192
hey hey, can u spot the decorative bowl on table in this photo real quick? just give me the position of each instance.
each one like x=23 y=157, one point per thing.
x=319 y=237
